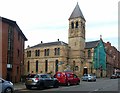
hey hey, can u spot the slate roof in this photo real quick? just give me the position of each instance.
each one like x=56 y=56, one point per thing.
x=13 y=23
x=91 y=44
x=50 y=44
x=77 y=13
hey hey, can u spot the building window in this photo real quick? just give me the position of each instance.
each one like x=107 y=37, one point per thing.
x=46 y=52
x=10 y=44
x=77 y=24
x=37 y=52
x=37 y=66
x=72 y=25
x=89 y=53
x=28 y=53
x=46 y=66
x=18 y=52
x=28 y=66
x=57 y=51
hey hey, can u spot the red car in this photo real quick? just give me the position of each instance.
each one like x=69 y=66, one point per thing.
x=67 y=78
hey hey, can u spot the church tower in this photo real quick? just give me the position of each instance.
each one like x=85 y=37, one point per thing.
x=76 y=40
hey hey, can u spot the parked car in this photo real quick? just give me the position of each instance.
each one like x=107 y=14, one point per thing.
x=88 y=77
x=41 y=81
x=6 y=86
x=118 y=75
x=67 y=78
x=113 y=76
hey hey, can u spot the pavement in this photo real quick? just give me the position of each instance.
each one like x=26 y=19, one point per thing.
x=18 y=86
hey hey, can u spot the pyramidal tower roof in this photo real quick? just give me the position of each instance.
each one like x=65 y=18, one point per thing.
x=77 y=12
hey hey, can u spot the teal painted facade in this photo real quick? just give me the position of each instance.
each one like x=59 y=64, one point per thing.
x=99 y=58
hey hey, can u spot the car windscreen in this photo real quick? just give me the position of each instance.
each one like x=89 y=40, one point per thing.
x=45 y=76
x=31 y=75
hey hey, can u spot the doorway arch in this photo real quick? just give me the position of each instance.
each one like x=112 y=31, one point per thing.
x=85 y=70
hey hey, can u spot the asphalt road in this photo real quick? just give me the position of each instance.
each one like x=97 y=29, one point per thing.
x=101 y=85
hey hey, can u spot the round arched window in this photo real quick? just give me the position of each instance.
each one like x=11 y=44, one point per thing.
x=72 y=25
x=77 y=24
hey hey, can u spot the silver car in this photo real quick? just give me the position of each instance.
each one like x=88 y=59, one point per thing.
x=89 y=77
x=41 y=81
x=6 y=86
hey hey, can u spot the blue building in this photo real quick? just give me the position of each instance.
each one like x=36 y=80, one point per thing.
x=95 y=58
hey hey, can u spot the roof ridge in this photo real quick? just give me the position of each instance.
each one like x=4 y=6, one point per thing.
x=49 y=44
x=92 y=41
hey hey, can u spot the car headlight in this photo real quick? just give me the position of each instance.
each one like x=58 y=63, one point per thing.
x=11 y=83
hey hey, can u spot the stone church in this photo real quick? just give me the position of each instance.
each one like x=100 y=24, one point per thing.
x=59 y=56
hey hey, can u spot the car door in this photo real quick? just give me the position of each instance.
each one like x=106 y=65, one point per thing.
x=75 y=79
x=71 y=78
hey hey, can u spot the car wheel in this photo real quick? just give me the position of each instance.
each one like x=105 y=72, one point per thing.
x=41 y=86
x=78 y=83
x=28 y=87
x=68 y=84
x=56 y=85
x=8 y=90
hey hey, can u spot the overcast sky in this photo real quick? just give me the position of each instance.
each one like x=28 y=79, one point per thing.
x=47 y=20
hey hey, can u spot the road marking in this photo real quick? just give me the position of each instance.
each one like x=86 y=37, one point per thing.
x=96 y=90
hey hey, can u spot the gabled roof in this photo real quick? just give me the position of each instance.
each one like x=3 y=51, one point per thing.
x=91 y=44
x=13 y=23
x=50 y=44
x=77 y=13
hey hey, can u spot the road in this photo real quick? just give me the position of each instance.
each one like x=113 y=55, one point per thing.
x=104 y=84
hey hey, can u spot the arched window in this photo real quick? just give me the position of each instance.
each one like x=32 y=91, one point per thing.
x=72 y=25
x=38 y=52
x=58 y=51
x=77 y=24
x=35 y=52
x=28 y=53
x=45 y=52
x=48 y=51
